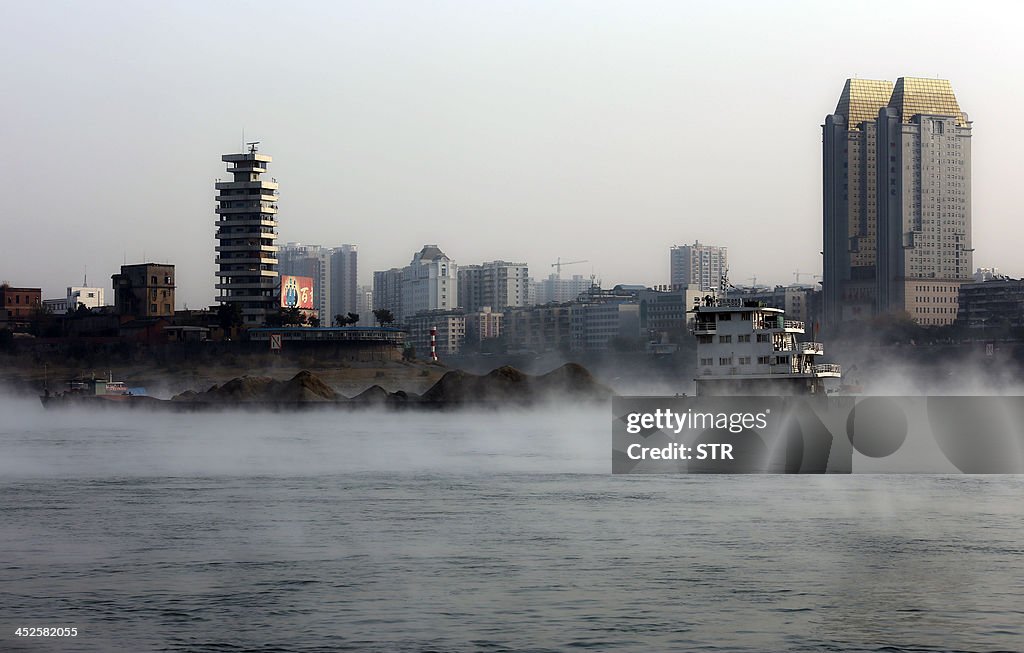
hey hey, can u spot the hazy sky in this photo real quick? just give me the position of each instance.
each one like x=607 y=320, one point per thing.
x=514 y=130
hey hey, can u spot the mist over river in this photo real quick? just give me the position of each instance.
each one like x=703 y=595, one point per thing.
x=475 y=531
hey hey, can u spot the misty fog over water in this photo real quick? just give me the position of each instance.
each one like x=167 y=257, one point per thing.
x=464 y=531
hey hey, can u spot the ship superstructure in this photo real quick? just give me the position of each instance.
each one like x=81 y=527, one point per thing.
x=744 y=348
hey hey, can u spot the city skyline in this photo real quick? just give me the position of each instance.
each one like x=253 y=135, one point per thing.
x=525 y=133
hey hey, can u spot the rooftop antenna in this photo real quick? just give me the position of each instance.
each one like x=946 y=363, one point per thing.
x=85 y=276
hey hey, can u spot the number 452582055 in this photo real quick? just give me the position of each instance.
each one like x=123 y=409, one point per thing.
x=59 y=631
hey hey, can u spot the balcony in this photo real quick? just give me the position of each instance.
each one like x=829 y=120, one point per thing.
x=245 y=261
x=252 y=271
x=812 y=348
x=248 y=247
x=245 y=222
x=704 y=327
x=827 y=369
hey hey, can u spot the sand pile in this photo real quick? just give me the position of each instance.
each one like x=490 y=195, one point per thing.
x=509 y=385
x=303 y=387
x=503 y=386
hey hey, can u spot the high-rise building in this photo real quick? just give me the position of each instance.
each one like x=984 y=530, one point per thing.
x=702 y=266
x=387 y=291
x=497 y=284
x=343 y=280
x=897 y=201
x=333 y=270
x=428 y=283
x=246 y=237
x=364 y=305
x=556 y=290
x=311 y=261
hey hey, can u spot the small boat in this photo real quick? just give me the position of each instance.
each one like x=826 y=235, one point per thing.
x=92 y=389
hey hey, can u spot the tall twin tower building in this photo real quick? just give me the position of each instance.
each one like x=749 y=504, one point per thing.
x=897 y=201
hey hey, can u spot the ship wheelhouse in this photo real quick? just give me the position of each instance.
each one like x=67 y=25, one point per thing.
x=744 y=348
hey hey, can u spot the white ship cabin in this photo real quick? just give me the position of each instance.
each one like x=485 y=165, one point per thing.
x=747 y=349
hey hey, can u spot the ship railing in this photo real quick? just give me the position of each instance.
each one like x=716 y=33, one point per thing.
x=827 y=368
x=729 y=301
x=793 y=324
x=811 y=348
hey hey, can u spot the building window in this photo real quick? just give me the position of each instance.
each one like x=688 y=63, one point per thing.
x=724 y=339
x=152 y=308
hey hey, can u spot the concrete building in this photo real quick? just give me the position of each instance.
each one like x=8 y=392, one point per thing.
x=57 y=306
x=545 y=327
x=797 y=300
x=144 y=290
x=991 y=305
x=897 y=201
x=664 y=312
x=19 y=304
x=497 y=284
x=484 y=324
x=605 y=325
x=701 y=266
x=556 y=290
x=488 y=284
x=428 y=283
x=343 y=281
x=246 y=237
x=451 y=332
x=364 y=305
x=310 y=261
x=606 y=319
x=333 y=270
x=90 y=297
x=387 y=291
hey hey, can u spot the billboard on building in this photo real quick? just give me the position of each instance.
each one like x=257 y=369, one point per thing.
x=296 y=292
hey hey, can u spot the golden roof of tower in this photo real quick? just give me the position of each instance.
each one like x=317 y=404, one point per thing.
x=862 y=99
x=915 y=95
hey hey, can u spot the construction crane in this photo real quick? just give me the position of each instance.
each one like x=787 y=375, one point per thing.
x=558 y=264
x=798 y=274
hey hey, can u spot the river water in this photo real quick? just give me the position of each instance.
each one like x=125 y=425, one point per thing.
x=333 y=531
